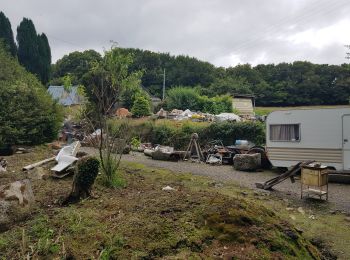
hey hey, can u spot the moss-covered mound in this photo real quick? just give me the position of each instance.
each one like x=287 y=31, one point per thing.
x=142 y=221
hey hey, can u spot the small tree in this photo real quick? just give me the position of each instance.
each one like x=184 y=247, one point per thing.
x=141 y=106
x=103 y=84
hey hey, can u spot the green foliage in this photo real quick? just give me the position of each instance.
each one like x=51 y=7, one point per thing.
x=190 y=98
x=45 y=58
x=76 y=64
x=135 y=142
x=168 y=133
x=141 y=106
x=87 y=170
x=34 y=51
x=28 y=114
x=6 y=34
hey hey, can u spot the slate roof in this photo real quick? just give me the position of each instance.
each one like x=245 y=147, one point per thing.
x=65 y=98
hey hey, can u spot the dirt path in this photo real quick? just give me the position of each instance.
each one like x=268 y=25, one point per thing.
x=339 y=194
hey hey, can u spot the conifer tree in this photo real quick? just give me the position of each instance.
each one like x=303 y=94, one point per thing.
x=45 y=58
x=6 y=34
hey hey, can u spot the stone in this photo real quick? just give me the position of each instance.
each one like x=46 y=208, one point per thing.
x=247 y=162
x=301 y=211
x=3 y=165
x=38 y=173
x=347 y=219
x=168 y=188
x=16 y=202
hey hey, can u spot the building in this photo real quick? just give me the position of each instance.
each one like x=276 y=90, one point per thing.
x=244 y=104
x=64 y=97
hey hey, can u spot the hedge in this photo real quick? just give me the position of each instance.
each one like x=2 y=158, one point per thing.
x=167 y=133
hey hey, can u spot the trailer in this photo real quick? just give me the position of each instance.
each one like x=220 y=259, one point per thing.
x=322 y=135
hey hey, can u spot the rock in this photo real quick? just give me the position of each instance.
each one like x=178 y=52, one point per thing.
x=289 y=209
x=244 y=193
x=299 y=230
x=292 y=217
x=3 y=165
x=38 y=173
x=301 y=211
x=16 y=201
x=168 y=188
x=247 y=162
x=347 y=219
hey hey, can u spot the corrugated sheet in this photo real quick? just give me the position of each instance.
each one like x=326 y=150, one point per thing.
x=65 y=98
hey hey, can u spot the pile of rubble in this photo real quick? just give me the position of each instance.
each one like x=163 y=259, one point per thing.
x=179 y=115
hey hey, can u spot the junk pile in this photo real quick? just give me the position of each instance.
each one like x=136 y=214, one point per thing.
x=164 y=153
x=123 y=113
x=179 y=115
x=290 y=174
x=65 y=158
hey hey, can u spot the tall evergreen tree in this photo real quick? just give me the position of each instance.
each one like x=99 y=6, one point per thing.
x=45 y=57
x=6 y=34
x=34 y=51
x=28 y=51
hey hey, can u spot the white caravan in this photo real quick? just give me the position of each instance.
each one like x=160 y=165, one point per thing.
x=322 y=135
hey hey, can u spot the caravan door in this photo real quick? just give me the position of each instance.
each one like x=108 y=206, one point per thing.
x=346 y=142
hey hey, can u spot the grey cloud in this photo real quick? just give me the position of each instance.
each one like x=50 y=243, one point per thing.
x=210 y=30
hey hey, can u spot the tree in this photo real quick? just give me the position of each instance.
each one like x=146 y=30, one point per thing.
x=45 y=58
x=104 y=83
x=28 y=113
x=28 y=51
x=141 y=106
x=76 y=64
x=34 y=51
x=6 y=34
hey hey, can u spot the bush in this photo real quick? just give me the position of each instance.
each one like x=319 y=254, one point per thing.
x=141 y=107
x=28 y=115
x=173 y=134
x=190 y=98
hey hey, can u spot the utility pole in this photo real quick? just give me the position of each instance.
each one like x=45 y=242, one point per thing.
x=163 y=84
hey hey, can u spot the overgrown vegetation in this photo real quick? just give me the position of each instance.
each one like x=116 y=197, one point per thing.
x=144 y=222
x=190 y=98
x=178 y=134
x=28 y=114
x=104 y=84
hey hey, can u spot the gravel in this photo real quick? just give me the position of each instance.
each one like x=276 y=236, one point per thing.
x=338 y=197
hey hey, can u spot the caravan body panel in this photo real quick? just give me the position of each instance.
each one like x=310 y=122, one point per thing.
x=318 y=135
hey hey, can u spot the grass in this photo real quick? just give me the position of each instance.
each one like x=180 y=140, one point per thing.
x=141 y=221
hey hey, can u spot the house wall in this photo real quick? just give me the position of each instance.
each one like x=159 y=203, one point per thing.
x=244 y=106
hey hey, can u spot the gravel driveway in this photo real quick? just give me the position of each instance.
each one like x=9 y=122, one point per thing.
x=339 y=194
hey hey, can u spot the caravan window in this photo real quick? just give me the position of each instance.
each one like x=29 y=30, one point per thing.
x=290 y=132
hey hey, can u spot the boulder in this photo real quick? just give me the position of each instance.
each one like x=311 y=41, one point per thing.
x=247 y=162
x=3 y=165
x=38 y=173
x=16 y=201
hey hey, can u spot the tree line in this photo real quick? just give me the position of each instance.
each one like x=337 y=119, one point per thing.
x=283 y=84
x=32 y=49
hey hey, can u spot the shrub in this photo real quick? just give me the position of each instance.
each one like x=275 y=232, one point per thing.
x=141 y=107
x=179 y=134
x=189 y=98
x=28 y=115
x=87 y=170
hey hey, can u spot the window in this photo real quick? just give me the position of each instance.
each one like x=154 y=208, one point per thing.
x=290 y=132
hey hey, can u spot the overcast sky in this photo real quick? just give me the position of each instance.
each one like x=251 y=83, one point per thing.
x=223 y=32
